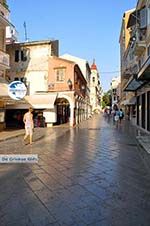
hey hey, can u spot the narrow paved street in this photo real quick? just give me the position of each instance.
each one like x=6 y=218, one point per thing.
x=91 y=176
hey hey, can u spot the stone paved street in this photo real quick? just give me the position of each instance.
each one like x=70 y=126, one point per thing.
x=92 y=175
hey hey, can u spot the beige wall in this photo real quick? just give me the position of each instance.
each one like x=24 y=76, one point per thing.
x=34 y=69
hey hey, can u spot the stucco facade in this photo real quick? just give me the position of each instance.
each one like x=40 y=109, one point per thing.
x=67 y=80
x=86 y=71
x=30 y=61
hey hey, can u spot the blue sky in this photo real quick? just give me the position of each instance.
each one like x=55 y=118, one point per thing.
x=86 y=29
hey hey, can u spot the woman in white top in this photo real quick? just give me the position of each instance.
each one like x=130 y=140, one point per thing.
x=28 y=121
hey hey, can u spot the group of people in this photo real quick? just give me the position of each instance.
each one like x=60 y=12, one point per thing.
x=116 y=113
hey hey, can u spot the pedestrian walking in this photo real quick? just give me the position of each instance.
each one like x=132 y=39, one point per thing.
x=116 y=117
x=121 y=115
x=29 y=125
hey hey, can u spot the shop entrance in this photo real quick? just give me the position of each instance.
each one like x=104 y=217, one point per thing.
x=14 y=118
x=63 y=111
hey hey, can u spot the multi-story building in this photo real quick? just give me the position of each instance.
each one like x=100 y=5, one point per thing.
x=135 y=64
x=4 y=60
x=115 y=90
x=95 y=89
x=67 y=81
x=128 y=67
x=29 y=63
x=56 y=88
x=86 y=71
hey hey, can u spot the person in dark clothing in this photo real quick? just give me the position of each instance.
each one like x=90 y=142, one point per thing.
x=121 y=115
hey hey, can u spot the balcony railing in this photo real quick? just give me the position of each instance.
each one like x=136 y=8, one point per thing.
x=4 y=60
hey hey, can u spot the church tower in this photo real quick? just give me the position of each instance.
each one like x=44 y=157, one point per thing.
x=95 y=88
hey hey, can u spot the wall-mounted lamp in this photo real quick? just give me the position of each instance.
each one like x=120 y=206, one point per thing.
x=69 y=82
x=83 y=87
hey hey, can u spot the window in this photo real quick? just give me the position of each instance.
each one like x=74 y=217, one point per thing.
x=20 y=54
x=60 y=74
x=16 y=55
x=23 y=55
x=93 y=79
x=16 y=79
x=114 y=91
x=148 y=15
x=143 y=18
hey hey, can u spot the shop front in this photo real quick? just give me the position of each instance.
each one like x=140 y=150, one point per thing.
x=63 y=111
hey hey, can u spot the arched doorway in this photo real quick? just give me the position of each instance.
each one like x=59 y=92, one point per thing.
x=63 y=110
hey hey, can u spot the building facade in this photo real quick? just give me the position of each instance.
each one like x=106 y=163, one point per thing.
x=4 y=60
x=135 y=65
x=29 y=63
x=56 y=88
x=86 y=71
x=68 y=82
x=115 y=90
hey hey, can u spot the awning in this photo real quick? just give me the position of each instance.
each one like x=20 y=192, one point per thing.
x=133 y=84
x=131 y=101
x=144 y=73
x=42 y=101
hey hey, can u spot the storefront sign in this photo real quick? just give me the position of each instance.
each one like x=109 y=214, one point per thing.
x=17 y=90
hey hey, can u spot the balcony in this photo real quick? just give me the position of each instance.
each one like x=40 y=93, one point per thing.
x=4 y=60
x=140 y=42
